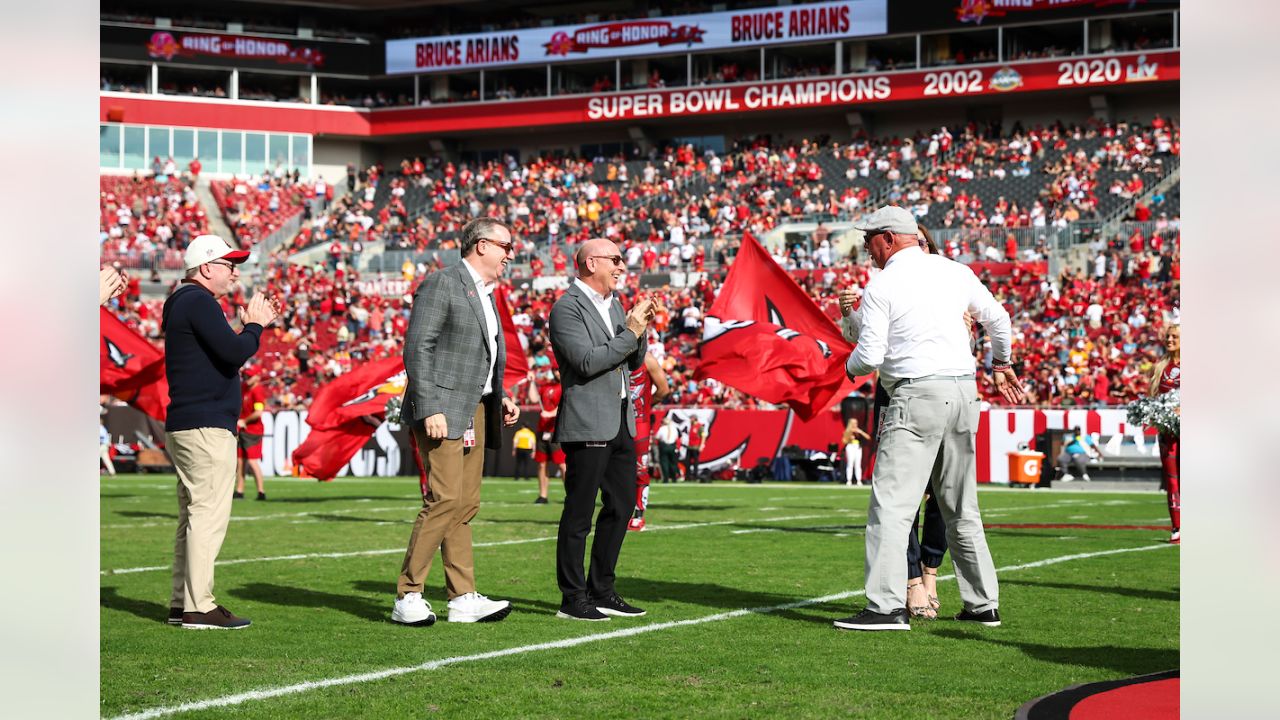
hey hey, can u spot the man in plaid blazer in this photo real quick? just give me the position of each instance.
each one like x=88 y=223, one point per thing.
x=454 y=355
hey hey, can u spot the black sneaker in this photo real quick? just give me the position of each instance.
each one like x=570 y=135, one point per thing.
x=990 y=618
x=218 y=618
x=175 y=616
x=612 y=604
x=540 y=501
x=237 y=495
x=871 y=620
x=262 y=496
x=580 y=609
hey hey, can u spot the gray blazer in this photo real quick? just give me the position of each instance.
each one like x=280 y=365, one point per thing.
x=446 y=354
x=595 y=368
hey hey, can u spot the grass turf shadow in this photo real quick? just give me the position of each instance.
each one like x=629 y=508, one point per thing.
x=719 y=597
x=1141 y=593
x=353 y=604
x=1124 y=660
x=111 y=599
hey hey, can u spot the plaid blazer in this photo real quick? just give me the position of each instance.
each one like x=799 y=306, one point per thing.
x=446 y=354
x=595 y=367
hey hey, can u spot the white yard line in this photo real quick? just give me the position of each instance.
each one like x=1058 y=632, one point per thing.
x=392 y=551
x=361 y=678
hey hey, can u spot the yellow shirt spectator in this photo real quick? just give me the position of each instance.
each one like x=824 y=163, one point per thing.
x=525 y=439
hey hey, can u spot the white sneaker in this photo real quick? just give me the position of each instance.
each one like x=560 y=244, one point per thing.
x=474 y=607
x=413 y=610
x=1066 y=477
x=1086 y=478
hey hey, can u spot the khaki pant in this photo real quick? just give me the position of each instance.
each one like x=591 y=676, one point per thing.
x=927 y=438
x=205 y=460
x=444 y=522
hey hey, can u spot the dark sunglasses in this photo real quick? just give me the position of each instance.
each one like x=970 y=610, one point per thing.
x=507 y=248
x=617 y=259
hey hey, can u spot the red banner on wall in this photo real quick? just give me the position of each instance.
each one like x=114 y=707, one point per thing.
x=847 y=91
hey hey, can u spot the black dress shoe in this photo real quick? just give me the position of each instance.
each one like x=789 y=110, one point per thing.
x=540 y=501
x=612 y=604
x=871 y=620
x=990 y=618
x=175 y=616
x=580 y=609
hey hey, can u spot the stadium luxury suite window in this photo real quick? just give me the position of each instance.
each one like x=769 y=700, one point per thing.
x=1130 y=34
x=797 y=61
x=1026 y=42
x=125 y=78
x=897 y=53
x=196 y=82
x=655 y=72
x=726 y=67
x=580 y=78
x=960 y=48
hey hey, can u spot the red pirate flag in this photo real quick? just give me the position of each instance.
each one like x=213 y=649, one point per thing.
x=764 y=336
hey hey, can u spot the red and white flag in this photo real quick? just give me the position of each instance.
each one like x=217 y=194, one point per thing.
x=764 y=336
x=131 y=368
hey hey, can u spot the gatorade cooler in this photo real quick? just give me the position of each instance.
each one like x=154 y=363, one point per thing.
x=1025 y=467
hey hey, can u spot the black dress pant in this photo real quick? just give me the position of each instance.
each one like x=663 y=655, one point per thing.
x=609 y=470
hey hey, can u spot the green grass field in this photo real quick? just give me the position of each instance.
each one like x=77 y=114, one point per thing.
x=741 y=584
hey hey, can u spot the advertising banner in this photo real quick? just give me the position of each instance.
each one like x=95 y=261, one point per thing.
x=195 y=47
x=731 y=30
x=848 y=92
x=735 y=438
x=926 y=15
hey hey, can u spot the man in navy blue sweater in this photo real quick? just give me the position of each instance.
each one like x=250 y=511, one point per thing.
x=203 y=356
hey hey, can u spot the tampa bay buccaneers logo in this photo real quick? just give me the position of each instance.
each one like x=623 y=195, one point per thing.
x=118 y=357
x=393 y=386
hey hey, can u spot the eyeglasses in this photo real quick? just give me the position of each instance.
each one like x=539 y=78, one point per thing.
x=617 y=259
x=509 y=248
x=229 y=265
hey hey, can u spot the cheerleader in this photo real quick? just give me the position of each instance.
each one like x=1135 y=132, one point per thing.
x=1166 y=376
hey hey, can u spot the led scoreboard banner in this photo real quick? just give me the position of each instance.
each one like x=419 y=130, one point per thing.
x=731 y=30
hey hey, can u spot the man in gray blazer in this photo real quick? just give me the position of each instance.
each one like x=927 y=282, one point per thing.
x=454 y=355
x=597 y=348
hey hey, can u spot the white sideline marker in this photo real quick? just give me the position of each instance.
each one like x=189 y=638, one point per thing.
x=267 y=693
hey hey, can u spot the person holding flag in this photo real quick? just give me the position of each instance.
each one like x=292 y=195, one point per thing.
x=911 y=333
x=648 y=388
x=455 y=405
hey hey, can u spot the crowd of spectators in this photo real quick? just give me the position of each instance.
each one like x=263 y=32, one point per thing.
x=1085 y=337
x=256 y=207
x=148 y=220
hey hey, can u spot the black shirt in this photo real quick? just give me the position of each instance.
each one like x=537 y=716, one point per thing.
x=202 y=357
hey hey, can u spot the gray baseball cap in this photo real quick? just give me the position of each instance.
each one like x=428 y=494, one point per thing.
x=889 y=218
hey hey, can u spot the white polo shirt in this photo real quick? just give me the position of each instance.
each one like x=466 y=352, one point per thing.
x=911 y=321
x=490 y=320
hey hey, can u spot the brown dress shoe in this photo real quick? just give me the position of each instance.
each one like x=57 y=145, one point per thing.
x=218 y=618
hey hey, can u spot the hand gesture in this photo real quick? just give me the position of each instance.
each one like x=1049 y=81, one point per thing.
x=510 y=412
x=110 y=284
x=1009 y=386
x=848 y=297
x=436 y=427
x=639 y=317
x=262 y=310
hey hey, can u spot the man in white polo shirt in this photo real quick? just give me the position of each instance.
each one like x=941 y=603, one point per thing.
x=912 y=330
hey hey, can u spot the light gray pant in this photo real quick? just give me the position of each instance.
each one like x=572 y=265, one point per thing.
x=926 y=436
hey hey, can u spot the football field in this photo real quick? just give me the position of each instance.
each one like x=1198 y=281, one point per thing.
x=741 y=583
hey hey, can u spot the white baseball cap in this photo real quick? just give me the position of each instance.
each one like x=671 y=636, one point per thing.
x=207 y=248
x=889 y=218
